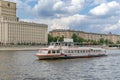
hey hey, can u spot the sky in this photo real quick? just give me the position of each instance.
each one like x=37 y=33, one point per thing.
x=96 y=16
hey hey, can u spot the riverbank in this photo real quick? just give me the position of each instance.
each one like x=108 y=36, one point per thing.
x=4 y=48
x=20 y=48
x=111 y=48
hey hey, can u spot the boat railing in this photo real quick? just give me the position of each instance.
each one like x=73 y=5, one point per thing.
x=71 y=44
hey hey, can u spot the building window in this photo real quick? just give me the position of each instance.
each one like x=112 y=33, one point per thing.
x=8 y=4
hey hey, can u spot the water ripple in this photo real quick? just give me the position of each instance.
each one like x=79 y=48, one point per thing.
x=23 y=65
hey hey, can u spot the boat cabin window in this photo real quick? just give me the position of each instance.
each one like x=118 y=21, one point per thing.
x=55 y=43
x=80 y=51
x=49 y=52
x=91 y=49
x=98 y=50
x=68 y=51
x=52 y=43
x=67 y=44
x=94 y=50
x=83 y=51
x=53 y=51
x=72 y=51
x=58 y=51
x=44 y=52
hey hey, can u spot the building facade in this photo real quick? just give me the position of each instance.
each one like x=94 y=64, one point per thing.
x=14 y=31
x=85 y=35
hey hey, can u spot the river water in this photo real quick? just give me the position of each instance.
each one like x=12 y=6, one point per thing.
x=23 y=65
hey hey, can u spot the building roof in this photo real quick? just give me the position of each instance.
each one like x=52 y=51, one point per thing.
x=64 y=30
x=68 y=30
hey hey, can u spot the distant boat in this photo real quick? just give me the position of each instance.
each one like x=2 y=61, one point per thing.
x=66 y=50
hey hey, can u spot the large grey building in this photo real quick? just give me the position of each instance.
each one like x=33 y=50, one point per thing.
x=14 y=31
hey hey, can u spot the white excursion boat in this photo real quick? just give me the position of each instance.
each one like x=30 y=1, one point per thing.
x=66 y=50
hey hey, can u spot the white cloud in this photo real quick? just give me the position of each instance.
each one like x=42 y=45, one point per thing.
x=64 y=14
x=77 y=4
x=51 y=8
x=24 y=10
x=112 y=27
x=66 y=22
x=99 y=1
x=105 y=8
x=58 y=5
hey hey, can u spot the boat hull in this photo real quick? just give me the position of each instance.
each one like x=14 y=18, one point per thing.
x=49 y=57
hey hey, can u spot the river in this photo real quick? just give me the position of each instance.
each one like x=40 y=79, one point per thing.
x=23 y=65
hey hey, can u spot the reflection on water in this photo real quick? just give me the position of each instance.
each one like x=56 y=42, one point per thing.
x=23 y=65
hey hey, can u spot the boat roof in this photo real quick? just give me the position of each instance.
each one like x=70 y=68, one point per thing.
x=97 y=48
x=72 y=48
x=49 y=49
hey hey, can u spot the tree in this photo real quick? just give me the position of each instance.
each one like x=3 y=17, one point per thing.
x=77 y=38
x=55 y=39
x=102 y=41
x=61 y=39
x=74 y=37
x=80 y=39
x=118 y=42
x=106 y=41
x=95 y=42
x=50 y=38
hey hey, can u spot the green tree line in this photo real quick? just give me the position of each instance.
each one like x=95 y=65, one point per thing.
x=81 y=40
